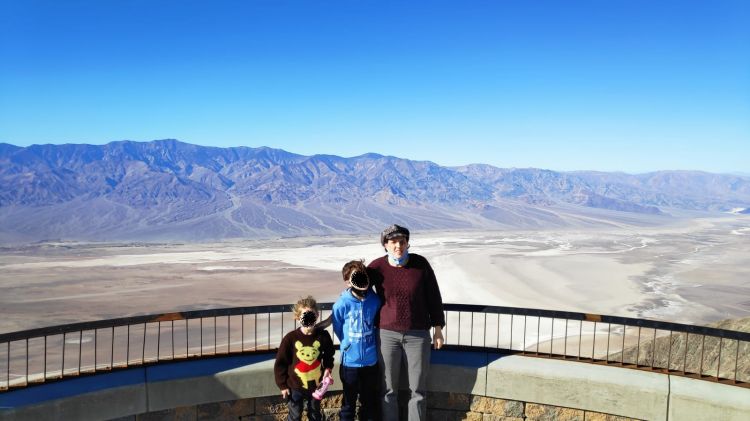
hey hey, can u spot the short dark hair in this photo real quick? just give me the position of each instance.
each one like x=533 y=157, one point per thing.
x=351 y=267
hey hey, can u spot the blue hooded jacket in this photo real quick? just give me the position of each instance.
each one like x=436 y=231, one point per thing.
x=354 y=324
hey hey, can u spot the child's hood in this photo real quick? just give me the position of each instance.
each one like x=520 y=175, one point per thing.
x=349 y=297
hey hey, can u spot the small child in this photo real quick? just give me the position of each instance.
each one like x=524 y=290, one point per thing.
x=354 y=323
x=298 y=362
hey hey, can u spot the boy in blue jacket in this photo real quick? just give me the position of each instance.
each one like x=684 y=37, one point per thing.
x=354 y=316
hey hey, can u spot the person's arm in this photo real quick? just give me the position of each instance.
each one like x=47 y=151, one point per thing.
x=323 y=324
x=434 y=306
x=434 y=298
x=328 y=351
x=281 y=366
x=376 y=280
x=337 y=317
x=376 y=285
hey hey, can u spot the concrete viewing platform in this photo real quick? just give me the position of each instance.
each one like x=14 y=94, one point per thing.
x=462 y=385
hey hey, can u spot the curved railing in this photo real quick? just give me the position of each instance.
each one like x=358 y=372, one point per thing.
x=47 y=354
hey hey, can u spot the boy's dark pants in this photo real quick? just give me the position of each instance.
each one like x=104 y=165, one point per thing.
x=365 y=383
x=295 y=405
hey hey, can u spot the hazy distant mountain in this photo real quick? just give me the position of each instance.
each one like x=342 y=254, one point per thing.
x=168 y=190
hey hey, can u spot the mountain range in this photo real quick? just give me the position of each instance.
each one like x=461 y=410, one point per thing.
x=174 y=191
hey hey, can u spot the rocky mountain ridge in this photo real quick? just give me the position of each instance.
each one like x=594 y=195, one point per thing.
x=167 y=189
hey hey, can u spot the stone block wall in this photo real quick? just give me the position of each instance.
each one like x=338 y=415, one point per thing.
x=481 y=387
x=441 y=407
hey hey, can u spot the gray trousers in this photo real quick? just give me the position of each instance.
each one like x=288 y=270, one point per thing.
x=413 y=348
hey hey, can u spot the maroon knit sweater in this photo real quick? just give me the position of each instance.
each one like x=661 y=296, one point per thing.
x=410 y=294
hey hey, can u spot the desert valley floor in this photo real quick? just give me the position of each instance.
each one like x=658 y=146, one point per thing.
x=696 y=271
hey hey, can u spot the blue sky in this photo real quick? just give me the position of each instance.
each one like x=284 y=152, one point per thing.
x=613 y=85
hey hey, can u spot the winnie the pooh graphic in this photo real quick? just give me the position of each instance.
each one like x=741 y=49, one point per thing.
x=308 y=367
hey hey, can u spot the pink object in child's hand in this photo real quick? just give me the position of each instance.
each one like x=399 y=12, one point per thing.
x=322 y=388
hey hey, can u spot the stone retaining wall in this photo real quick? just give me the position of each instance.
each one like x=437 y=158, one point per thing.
x=441 y=407
x=461 y=385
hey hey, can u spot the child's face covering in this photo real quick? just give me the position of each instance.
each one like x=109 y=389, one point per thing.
x=359 y=280
x=308 y=318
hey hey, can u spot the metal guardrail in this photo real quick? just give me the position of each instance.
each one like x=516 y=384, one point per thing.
x=47 y=354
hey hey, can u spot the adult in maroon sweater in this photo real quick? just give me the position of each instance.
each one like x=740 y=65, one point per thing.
x=412 y=305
